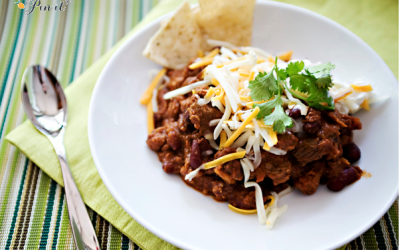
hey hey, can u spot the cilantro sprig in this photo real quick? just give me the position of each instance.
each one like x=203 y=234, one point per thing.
x=309 y=84
x=313 y=85
x=266 y=87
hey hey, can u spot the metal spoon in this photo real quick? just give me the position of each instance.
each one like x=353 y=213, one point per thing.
x=46 y=107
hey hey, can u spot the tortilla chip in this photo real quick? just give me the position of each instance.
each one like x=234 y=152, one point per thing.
x=177 y=41
x=227 y=20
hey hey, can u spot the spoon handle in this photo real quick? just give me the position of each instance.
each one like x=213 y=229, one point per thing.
x=82 y=228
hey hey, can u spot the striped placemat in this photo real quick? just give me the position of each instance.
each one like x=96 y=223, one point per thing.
x=33 y=211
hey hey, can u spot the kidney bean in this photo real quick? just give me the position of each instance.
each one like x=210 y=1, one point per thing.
x=204 y=145
x=346 y=177
x=294 y=113
x=351 y=152
x=195 y=155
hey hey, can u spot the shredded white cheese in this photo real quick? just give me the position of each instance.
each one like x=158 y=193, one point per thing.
x=227 y=113
x=186 y=89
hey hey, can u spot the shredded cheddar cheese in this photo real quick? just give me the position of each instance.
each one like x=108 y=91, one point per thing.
x=365 y=104
x=215 y=82
x=240 y=51
x=146 y=97
x=204 y=62
x=244 y=98
x=223 y=101
x=150 y=118
x=286 y=56
x=200 y=53
x=271 y=59
x=210 y=92
x=213 y=53
x=222 y=139
x=232 y=61
x=260 y=60
x=242 y=127
x=220 y=95
x=224 y=159
x=342 y=96
x=364 y=88
x=266 y=146
x=251 y=76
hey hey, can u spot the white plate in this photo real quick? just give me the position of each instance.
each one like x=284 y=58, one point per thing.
x=184 y=217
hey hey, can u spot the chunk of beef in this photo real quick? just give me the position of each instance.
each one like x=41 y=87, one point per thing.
x=352 y=123
x=308 y=181
x=209 y=185
x=334 y=168
x=346 y=136
x=202 y=90
x=312 y=122
x=157 y=139
x=328 y=130
x=173 y=109
x=173 y=135
x=162 y=107
x=221 y=190
x=202 y=183
x=244 y=198
x=287 y=141
x=312 y=149
x=345 y=121
x=231 y=171
x=171 y=161
x=276 y=167
x=167 y=109
x=176 y=78
x=201 y=115
x=336 y=117
x=184 y=122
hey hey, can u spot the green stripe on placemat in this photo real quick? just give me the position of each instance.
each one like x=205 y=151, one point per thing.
x=33 y=211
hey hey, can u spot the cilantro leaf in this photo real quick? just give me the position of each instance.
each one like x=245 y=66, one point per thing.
x=324 y=82
x=282 y=75
x=321 y=70
x=317 y=98
x=294 y=68
x=263 y=87
x=279 y=120
x=267 y=107
x=320 y=99
x=301 y=83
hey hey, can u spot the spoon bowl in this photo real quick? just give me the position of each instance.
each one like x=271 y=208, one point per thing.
x=43 y=99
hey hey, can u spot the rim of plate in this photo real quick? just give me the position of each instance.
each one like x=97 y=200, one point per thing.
x=176 y=241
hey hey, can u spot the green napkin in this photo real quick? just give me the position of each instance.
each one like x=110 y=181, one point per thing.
x=374 y=21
